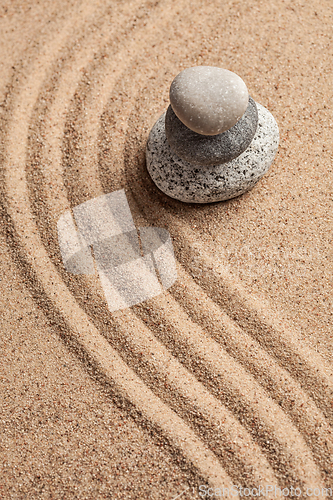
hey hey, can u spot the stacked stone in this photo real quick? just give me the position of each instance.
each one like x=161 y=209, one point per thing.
x=214 y=142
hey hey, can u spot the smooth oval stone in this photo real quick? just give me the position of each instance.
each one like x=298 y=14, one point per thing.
x=208 y=100
x=194 y=184
x=215 y=149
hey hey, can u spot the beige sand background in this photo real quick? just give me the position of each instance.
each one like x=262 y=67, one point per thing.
x=226 y=378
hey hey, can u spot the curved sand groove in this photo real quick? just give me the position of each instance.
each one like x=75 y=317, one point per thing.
x=298 y=445
x=278 y=338
x=122 y=321
x=94 y=345
x=91 y=171
x=98 y=96
x=230 y=382
x=318 y=434
x=233 y=440
x=251 y=457
x=176 y=385
x=295 y=465
x=274 y=335
x=63 y=93
x=277 y=382
x=54 y=118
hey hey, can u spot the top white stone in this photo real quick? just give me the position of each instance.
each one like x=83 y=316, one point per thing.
x=208 y=100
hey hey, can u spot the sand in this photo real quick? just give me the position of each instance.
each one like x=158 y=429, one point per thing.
x=225 y=378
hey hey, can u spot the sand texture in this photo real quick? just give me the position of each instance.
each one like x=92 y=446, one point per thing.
x=225 y=378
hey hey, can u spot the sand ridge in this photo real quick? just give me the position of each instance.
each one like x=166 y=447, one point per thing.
x=220 y=372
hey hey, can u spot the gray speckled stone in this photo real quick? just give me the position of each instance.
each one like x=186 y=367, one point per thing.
x=211 y=149
x=192 y=184
x=208 y=100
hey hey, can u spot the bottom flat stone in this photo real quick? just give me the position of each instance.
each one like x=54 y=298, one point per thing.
x=206 y=184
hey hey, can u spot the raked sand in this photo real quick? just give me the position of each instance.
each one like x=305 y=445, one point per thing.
x=225 y=378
